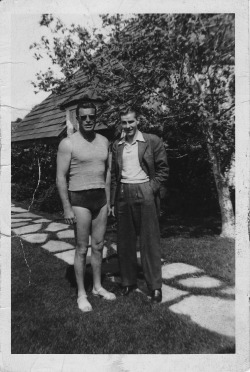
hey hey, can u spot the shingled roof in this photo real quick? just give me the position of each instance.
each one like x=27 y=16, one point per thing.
x=48 y=119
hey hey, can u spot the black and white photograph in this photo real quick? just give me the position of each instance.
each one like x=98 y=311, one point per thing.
x=128 y=190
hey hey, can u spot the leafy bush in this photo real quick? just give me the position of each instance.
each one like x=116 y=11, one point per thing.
x=25 y=164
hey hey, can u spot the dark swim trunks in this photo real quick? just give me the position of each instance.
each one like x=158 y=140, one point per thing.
x=92 y=199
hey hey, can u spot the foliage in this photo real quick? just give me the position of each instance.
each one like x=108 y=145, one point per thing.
x=177 y=69
x=25 y=164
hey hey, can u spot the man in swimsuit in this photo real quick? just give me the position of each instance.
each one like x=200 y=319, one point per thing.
x=85 y=156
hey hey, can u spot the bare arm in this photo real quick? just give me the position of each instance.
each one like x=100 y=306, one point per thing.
x=108 y=179
x=63 y=164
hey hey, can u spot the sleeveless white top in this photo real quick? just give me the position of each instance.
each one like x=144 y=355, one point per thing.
x=88 y=162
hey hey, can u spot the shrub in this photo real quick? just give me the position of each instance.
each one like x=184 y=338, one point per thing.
x=25 y=163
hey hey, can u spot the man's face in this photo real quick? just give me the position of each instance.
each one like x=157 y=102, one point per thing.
x=86 y=119
x=129 y=124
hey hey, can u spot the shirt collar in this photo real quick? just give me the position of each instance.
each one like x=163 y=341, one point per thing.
x=139 y=137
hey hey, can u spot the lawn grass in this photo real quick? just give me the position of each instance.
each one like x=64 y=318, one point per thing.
x=45 y=317
x=214 y=255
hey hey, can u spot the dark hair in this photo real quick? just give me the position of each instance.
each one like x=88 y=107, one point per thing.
x=84 y=105
x=127 y=109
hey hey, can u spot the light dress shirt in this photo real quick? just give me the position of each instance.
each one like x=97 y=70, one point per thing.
x=132 y=172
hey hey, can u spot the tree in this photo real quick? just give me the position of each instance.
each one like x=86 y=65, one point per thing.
x=177 y=68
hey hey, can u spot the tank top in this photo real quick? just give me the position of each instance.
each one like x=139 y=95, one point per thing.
x=88 y=161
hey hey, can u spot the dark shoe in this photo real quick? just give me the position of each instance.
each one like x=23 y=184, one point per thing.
x=156 y=296
x=126 y=290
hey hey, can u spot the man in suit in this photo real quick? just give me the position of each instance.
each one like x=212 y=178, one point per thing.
x=139 y=170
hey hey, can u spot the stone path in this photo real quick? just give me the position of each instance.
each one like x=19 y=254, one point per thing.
x=187 y=290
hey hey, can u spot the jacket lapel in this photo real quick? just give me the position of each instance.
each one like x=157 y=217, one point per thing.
x=119 y=158
x=142 y=148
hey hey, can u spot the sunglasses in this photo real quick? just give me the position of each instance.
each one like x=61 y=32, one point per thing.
x=84 y=117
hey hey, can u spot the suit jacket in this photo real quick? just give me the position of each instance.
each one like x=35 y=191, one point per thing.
x=153 y=160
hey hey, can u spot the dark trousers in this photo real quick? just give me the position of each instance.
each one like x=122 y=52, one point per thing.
x=137 y=215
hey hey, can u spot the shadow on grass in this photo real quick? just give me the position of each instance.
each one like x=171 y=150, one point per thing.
x=189 y=227
x=45 y=317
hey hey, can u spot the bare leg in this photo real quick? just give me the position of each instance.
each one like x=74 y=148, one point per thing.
x=99 y=223
x=83 y=217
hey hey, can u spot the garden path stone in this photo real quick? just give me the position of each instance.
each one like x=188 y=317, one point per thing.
x=54 y=226
x=228 y=291
x=114 y=246
x=35 y=238
x=27 y=229
x=220 y=313
x=42 y=220
x=20 y=219
x=18 y=209
x=56 y=246
x=170 y=293
x=201 y=282
x=69 y=256
x=27 y=214
x=105 y=252
x=172 y=270
x=19 y=224
x=66 y=234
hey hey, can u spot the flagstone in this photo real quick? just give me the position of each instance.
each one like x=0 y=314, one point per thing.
x=66 y=234
x=54 y=226
x=172 y=270
x=27 y=214
x=114 y=246
x=170 y=293
x=213 y=313
x=201 y=282
x=35 y=238
x=69 y=257
x=105 y=252
x=18 y=209
x=56 y=246
x=27 y=229
x=20 y=219
x=42 y=220
x=18 y=224
x=228 y=291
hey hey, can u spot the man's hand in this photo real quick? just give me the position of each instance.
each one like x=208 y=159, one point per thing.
x=111 y=210
x=69 y=216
